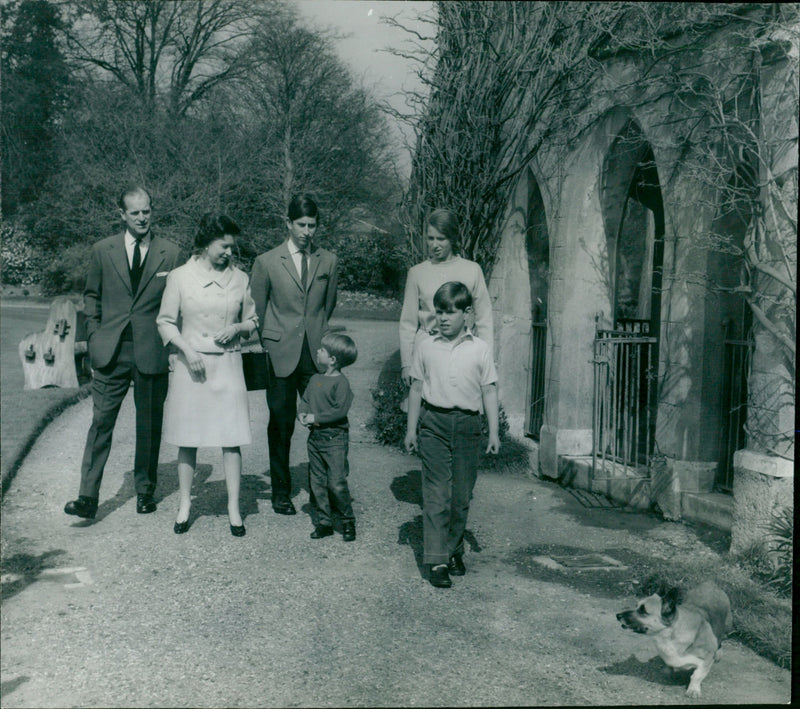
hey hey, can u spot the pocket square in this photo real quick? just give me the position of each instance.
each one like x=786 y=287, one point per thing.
x=161 y=274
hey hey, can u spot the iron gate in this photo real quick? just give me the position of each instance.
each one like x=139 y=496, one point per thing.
x=734 y=408
x=624 y=407
x=536 y=391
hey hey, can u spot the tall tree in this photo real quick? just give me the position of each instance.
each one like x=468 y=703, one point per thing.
x=35 y=82
x=314 y=128
x=166 y=49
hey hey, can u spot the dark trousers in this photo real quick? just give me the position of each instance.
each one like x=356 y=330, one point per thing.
x=282 y=395
x=327 y=473
x=449 y=445
x=109 y=387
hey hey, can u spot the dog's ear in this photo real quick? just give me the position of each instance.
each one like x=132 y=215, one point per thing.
x=652 y=584
x=669 y=604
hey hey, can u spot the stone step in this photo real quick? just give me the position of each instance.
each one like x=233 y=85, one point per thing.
x=712 y=508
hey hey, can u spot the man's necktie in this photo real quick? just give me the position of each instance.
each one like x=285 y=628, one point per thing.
x=303 y=269
x=136 y=267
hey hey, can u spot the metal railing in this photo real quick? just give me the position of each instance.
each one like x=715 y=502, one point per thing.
x=623 y=418
x=537 y=379
x=734 y=408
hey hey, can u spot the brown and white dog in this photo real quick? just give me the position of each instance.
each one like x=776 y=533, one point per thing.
x=688 y=633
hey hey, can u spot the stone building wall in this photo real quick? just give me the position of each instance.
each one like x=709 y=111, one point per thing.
x=690 y=323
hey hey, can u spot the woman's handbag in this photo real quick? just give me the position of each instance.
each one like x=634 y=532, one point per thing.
x=254 y=365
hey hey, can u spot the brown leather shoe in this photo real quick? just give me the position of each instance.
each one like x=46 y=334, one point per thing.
x=85 y=507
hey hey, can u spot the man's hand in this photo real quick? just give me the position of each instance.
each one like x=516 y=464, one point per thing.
x=494 y=444
x=405 y=375
x=305 y=418
x=411 y=441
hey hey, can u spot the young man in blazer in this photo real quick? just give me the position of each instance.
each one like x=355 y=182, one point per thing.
x=294 y=289
x=122 y=297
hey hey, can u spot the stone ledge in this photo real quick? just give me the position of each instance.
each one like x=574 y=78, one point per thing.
x=770 y=465
x=712 y=508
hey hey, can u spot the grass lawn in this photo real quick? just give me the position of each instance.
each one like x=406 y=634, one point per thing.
x=23 y=413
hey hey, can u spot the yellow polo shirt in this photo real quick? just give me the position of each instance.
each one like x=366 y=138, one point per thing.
x=452 y=373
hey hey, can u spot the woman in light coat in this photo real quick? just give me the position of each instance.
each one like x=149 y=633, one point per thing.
x=205 y=310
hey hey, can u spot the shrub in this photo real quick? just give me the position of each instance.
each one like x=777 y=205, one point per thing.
x=780 y=532
x=389 y=422
x=19 y=260
x=370 y=261
x=66 y=272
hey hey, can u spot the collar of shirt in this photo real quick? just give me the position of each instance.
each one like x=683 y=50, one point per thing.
x=206 y=278
x=130 y=241
x=437 y=336
x=294 y=251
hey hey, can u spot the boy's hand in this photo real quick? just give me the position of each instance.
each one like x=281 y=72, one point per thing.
x=411 y=441
x=305 y=418
x=494 y=444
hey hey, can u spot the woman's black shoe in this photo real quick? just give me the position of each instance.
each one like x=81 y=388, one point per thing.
x=238 y=531
x=181 y=527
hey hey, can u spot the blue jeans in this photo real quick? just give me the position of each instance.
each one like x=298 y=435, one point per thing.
x=327 y=473
x=449 y=445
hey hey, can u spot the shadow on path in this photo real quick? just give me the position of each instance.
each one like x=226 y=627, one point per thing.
x=22 y=570
x=653 y=670
x=408 y=488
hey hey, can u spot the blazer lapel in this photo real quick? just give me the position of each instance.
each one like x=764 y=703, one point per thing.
x=288 y=264
x=154 y=259
x=313 y=264
x=119 y=260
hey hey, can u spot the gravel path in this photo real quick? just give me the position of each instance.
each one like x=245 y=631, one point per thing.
x=121 y=612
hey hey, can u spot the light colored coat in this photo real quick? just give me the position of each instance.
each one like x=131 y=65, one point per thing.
x=204 y=302
x=287 y=313
x=110 y=303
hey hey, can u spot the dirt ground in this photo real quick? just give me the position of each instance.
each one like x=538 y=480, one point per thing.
x=121 y=612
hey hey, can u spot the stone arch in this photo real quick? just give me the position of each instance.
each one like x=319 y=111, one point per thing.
x=537 y=247
x=633 y=217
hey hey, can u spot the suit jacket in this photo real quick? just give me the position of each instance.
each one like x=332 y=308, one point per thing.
x=110 y=304
x=285 y=312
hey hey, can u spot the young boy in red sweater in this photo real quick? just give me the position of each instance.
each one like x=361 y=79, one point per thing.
x=323 y=409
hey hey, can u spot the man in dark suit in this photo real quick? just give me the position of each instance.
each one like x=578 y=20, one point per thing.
x=294 y=288
x=122 y=297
